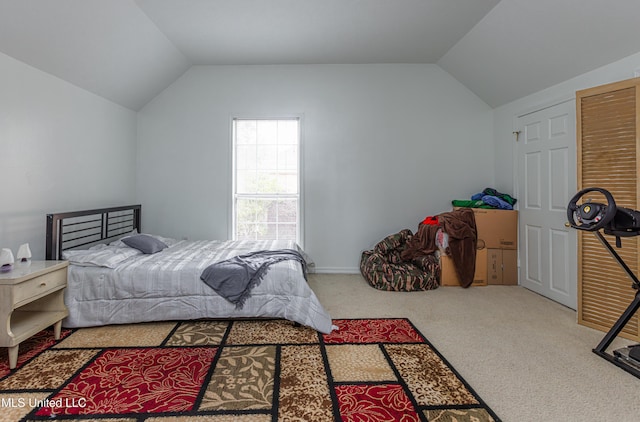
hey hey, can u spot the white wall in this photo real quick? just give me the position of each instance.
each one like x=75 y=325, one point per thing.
x=61 y=149
x=505 y=116
x=383 y=145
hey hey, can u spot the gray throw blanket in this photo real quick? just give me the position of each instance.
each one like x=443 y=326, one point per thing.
x=234 y=278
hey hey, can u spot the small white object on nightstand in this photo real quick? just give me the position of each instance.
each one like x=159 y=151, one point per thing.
x=24 y=253
x=6 y=260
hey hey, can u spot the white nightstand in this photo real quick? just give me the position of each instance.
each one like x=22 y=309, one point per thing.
x=31 y=299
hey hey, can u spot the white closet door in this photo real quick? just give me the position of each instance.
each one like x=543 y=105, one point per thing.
x=546 y=182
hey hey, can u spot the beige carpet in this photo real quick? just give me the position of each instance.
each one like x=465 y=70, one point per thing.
x=525 y=355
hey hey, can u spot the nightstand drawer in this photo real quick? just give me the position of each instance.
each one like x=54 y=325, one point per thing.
x=40 y=285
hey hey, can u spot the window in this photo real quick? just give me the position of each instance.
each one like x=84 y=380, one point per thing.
x=266 y=179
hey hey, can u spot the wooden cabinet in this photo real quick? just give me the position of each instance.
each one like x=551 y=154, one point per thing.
x=608 y=117
x=31 y=299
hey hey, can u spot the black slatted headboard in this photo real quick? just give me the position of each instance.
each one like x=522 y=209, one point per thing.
x=77 y=229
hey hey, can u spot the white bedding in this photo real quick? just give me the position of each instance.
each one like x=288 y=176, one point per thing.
x=166 y=286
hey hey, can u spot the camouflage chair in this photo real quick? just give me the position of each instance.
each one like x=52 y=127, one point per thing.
x=383 y=268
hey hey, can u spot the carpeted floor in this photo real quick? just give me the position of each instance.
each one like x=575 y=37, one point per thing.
x=524 y=354
x=249 y=370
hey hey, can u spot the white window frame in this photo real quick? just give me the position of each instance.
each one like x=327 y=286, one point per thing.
x=300 y=196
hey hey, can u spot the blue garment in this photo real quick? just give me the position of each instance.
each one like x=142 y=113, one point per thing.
x=478 y=196
x=494 y=201
x=502 y=196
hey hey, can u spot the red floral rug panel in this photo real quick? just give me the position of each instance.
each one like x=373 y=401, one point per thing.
x=249 y=370
x=373 y=331
x=135 y=381
x=387 y=402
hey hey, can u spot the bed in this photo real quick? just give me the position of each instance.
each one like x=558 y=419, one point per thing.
x=110 y=282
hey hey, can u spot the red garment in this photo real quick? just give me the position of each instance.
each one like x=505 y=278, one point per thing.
x=431 y=220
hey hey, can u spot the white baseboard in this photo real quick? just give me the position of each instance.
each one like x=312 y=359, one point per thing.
x=337 y=270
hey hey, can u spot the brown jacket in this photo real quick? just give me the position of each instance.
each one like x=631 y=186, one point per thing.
x=460 y=226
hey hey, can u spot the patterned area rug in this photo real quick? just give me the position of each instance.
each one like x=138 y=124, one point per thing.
x=249 y=370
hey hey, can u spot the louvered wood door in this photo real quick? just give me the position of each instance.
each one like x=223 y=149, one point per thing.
x=607 y=145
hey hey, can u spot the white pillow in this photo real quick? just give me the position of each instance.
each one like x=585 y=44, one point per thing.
x=100 y=256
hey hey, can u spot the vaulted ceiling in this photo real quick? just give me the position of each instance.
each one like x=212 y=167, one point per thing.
x=130 y=50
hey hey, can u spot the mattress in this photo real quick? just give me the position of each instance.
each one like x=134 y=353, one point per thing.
x=167 y=286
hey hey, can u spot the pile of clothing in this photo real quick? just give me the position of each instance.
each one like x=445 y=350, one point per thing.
x=406 y=262
x=488 y=198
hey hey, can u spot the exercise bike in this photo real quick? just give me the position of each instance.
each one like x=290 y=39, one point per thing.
x=619 y=222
